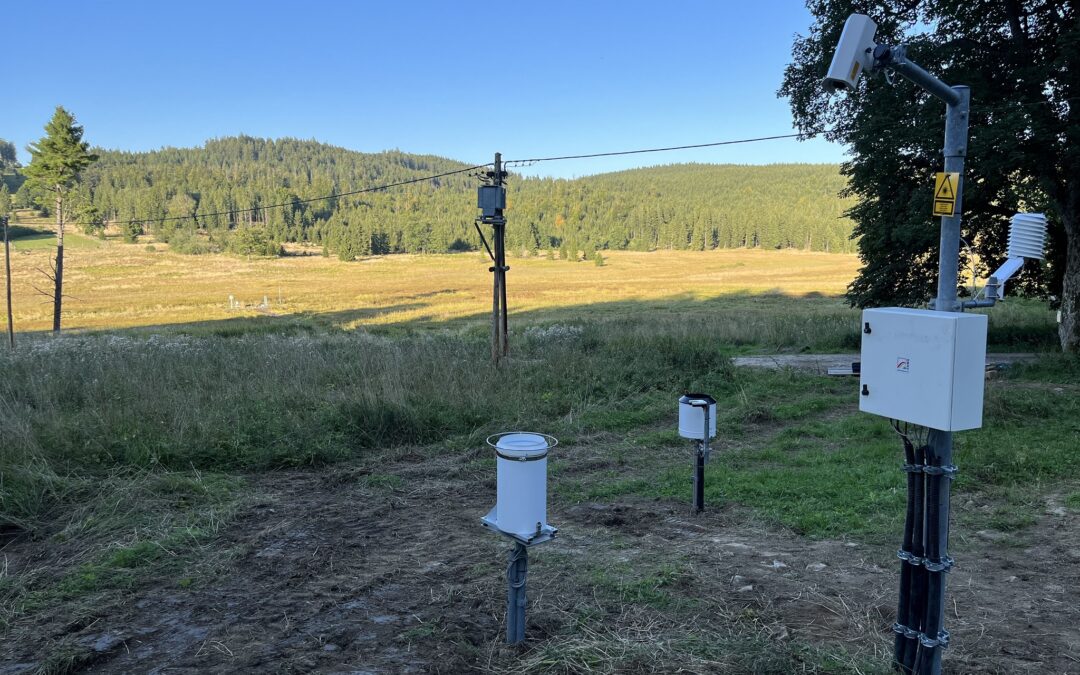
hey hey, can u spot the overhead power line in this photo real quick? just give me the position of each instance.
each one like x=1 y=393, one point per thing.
x=377 y=188
x=309 y=200
x=522 y=162
x=534 y=160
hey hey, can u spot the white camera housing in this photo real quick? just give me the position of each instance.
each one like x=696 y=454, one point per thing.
x=854 y=53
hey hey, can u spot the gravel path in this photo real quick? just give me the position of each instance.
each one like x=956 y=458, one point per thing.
x=821 y=363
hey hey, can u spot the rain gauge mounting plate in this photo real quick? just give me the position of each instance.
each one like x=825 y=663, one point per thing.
x=491 y=522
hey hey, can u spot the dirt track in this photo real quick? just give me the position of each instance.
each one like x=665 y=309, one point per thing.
x=820 y=363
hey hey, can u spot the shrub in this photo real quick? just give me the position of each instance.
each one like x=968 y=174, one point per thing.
x=252 y=241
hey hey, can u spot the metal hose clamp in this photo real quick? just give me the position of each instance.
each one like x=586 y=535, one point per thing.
x=494 y=439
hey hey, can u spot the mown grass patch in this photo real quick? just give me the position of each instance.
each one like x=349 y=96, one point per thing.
x=799 y=454
x=121 y=530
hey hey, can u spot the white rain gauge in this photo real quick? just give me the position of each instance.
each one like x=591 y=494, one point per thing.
x=520 y=512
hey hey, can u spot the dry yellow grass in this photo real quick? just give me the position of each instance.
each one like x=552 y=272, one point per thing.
x=115 y=285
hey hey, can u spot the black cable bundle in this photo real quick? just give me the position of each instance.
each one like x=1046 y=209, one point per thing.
x=917 y=602
x=903 y=608
x=911 y=606
x=937 y=562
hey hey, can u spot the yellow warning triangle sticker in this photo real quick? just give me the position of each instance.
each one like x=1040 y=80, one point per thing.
x=945 y=188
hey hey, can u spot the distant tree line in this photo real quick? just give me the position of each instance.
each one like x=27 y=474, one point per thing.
x=216 y=198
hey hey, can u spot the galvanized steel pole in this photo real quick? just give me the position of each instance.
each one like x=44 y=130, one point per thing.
x=939 y=469
x=939 y=455
x=517 y=573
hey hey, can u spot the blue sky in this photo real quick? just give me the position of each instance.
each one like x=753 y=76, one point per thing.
x=457 y=79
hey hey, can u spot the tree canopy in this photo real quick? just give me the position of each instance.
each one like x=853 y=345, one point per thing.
x=56 y=162
x=60 y=156
x=230 y=183
x=1019 y=58
x=8 y=158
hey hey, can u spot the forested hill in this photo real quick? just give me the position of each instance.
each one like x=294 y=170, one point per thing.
x=689 y=206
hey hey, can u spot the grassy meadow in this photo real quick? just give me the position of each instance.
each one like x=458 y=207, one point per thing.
x=114 y=285
x=133 y=443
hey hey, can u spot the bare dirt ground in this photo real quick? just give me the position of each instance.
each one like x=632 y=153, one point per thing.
x=324 y=572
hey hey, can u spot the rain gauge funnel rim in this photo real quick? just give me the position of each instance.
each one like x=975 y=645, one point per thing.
x=522 y=446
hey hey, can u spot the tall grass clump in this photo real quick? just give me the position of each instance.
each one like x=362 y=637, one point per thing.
x=87 y=405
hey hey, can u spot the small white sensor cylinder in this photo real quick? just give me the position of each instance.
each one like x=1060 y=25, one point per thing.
x=692 y=409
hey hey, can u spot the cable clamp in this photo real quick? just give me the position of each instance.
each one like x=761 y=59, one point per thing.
x=942 y=640
x=943 y=565
x=913 y=468
x=907 y=557
x=909 y=633
x=949 y=471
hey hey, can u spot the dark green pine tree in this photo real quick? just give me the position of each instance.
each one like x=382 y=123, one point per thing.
x=56 y=162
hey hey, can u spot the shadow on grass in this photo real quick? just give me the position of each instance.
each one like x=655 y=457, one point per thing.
x=770 y=321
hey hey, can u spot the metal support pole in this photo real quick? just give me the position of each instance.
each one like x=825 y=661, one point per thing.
x=7 y=276
x=940 y=443
x=699 y=464
x=699 y=478
x=956 y=140
x=896 y=59
x=516 y=574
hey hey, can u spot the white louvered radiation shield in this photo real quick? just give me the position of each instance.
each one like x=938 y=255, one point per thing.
x=1027 y=236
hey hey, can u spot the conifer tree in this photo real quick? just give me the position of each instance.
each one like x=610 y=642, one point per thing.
x=56 y=162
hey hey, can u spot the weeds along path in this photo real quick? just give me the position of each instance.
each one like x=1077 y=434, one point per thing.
x=380 y=566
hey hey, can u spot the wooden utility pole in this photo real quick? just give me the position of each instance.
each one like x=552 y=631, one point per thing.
x=7 y=276
x=492 y=200
x=499 y=224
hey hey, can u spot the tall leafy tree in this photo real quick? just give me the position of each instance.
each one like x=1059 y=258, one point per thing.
x=1020 y=59
x=56 y=162
x=24 y=198
x=8 y=159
